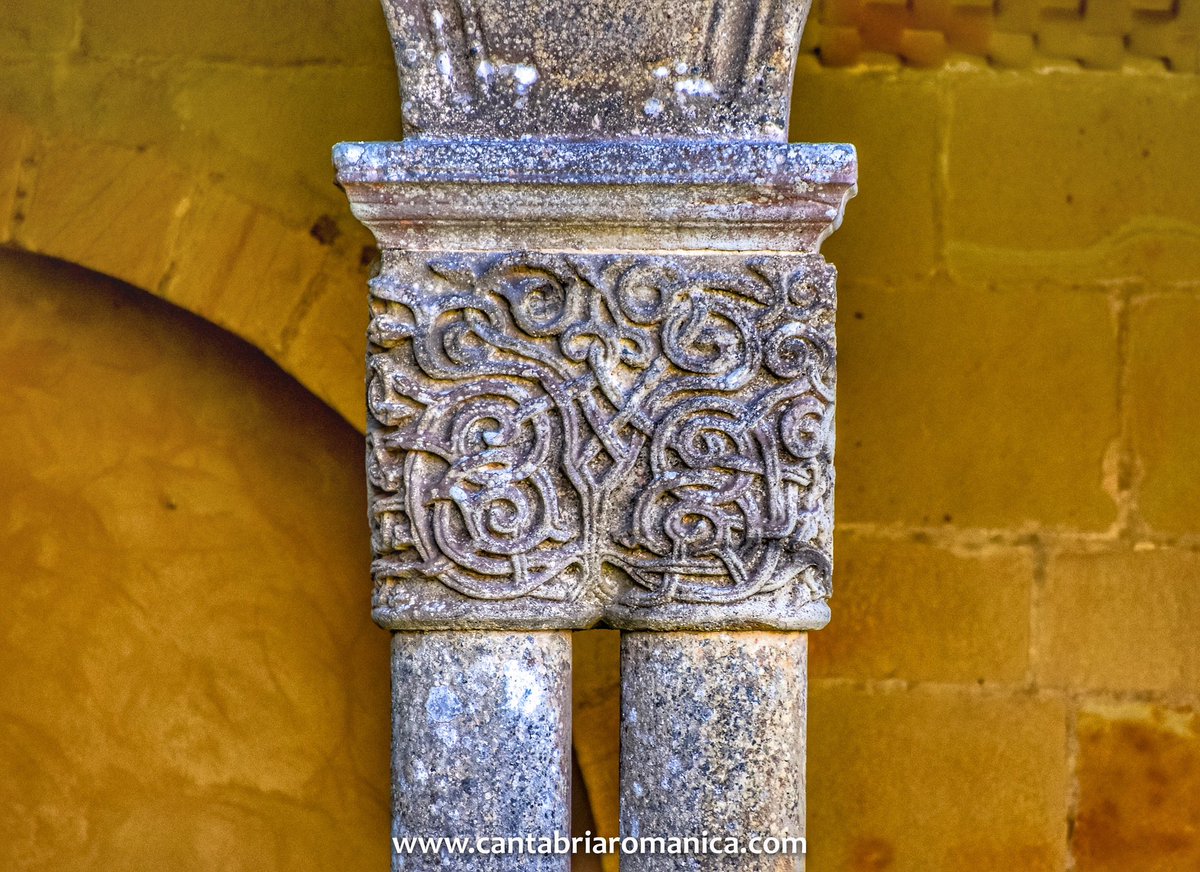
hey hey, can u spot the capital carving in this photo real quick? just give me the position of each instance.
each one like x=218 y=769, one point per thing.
x=566 y=438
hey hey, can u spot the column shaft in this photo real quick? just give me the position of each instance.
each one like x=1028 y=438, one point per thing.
x=481 y=743
x=713 y=742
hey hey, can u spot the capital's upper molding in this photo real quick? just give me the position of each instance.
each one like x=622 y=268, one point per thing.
x=628 y=195
x=604 y=69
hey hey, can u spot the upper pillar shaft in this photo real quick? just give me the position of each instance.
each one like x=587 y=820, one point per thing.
x=707 y=69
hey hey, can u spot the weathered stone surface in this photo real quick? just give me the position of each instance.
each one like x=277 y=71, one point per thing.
x=936 y=780
x=626 y=195
x=481 y=744
x=712 y=742
x=597 y=68
x=557 y=438
x=1120 y=621
x=601 y=383
x=1139 y=789
x=887 y=589
x=1163 y=409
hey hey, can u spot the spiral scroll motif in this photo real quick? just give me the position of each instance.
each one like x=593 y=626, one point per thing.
x=634 y=432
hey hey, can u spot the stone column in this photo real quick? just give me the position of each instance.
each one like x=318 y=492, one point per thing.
x=713 y=746
x=600 y=392
x=481 y=743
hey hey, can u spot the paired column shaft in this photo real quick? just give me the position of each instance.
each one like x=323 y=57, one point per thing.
x=713 y=746
x=481 y=745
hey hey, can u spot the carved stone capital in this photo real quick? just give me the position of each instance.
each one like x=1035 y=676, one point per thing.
x=560 y=438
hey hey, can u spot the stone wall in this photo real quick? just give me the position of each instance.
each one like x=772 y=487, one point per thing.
x=1012 y=673
x=189 y=678
x=1011 y=678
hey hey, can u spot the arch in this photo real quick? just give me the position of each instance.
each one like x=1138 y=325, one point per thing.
x=186 y=679
x=295 y=293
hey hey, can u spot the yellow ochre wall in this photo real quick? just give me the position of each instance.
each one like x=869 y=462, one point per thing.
x=188 y=676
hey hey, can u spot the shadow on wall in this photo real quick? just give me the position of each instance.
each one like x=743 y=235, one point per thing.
x=189 y=678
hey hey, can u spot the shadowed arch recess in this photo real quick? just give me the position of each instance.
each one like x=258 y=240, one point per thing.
x=295 y=293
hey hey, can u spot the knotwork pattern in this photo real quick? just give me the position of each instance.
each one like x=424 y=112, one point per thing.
x=633 y=430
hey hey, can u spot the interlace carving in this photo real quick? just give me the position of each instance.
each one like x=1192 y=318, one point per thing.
x=635 y=430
